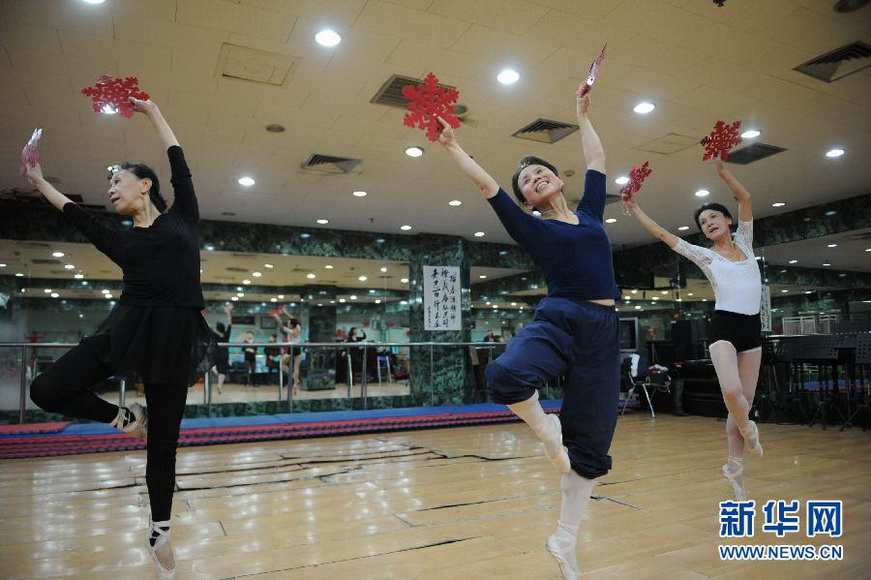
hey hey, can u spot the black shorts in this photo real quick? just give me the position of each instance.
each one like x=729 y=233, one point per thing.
x=744 y=331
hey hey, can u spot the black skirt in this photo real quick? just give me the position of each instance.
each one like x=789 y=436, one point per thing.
x=157 y=344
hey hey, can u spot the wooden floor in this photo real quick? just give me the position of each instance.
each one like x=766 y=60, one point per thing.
x=464 y=503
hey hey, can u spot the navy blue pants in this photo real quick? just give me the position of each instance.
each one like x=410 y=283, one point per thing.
x=578 y=340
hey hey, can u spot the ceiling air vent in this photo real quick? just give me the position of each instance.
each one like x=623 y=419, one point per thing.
x=545 y=131
x=253 y=65
x=751 y=153
x=838 y=63
x=331 y=164
x=44 y=261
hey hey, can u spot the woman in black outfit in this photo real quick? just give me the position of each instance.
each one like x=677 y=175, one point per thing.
x=155 y=331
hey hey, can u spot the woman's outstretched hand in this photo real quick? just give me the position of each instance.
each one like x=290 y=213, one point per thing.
x=446 y=137
x=146 y=107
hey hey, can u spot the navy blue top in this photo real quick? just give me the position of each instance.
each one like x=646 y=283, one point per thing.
x=575 y=259
x=161 y=263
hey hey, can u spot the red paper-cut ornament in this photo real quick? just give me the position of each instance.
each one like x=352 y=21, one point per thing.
x=429 y=101
x=111 y=95
x=30 y=154
x=637 y=175
x=722 y=139
x=594 y=69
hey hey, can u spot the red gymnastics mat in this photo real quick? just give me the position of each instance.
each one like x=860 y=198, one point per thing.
x=30 y=443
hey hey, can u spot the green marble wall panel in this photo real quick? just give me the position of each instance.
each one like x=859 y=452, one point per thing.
x=440 y=371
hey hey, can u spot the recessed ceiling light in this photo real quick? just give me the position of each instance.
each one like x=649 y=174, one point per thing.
x=93 y=1
x=47 y=290
x=257 y=274
x=405 y=228
x=784 y=291
x=270 y=266
x=353 y=296
x=508 y=76
x=328 y=267
x=377 y=301
x=808 y=291
x=323 y=221
x=281 y=297
x=751 y=134
x=836 y=152
x=483 y=277
x=54 y=294
x=455 y=202
x=19 y=275
x=479 y=234
x=690 y=294
x=359 y=193
x=778 y=204
x=69 y=267
x=328 y=38
x=644 y=108
x=611 y=220
x=246 y=281
x=310 y=276
x=57 y=254
x=404 y=280
x=342 y=300
x=702 y=193
x=234 y=298
x=683 y=228
x=2 y=265
x=414 y=151
x=827 y=263
x=383 y=269
x=246 y=181
x=104 y=291
x=363 y=278
x=793 y=261
x=832 y=246
x=622 y=180
x=273 y=299
x=79 y=276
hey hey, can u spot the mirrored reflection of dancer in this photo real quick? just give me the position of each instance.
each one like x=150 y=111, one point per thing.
x=735 y=329
x=574 y=329
x=222 y=355
x=155 y=331
x=293 y=334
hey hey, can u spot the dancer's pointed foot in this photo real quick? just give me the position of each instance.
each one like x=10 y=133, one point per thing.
x=553 y=444
x=132 y=420
x=733 y=471
x=565 y=557
x=160 y=550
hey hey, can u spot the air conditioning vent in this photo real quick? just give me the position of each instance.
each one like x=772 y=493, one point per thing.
x=390 y=93
x=545 y=131
x=838 y=63
x=331 y=164
x=44 y=261
x=753 y=153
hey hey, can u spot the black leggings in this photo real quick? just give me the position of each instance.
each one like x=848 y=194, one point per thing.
x=65 y=388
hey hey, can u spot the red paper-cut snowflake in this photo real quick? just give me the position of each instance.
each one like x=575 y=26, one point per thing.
x=594 y=69
x=275 y=312
x=637 y=175
x=722 y=139
x=30 y=154
x=113 y=95
x=428 y=102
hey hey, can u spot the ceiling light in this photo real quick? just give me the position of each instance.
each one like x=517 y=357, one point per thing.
x=611 y=220
x=383 y=269
x=234 y=298
x=827 y=263
x=644 y=108
x=69 y=267
x=310 y=276
x=404 y=280
x=328 y=267
x=377 y=301
x=79 y=276
x=702 y=193
x=832 y=246
x=405 y=228
x=104 y=291
x=784 y=291
x=778 y=204
x=57 y=254
x=359 y=193
x=793 y=261
x=808 y=291
x=257 y=274
x=836 y=152
x=47 y=290
x=281 y=297
x=246 y=181
x=455 y=202
x=2 y=265
x=270 y=266
x=622 y=180
x=93 y=1
x=54 y=294
x=328 y=38
x=273 y=299
x=342 y=300
x=353 y=296
x=414 y=151
x=246 y=281
x=209 y=248
x=508 y=76
x=479 y=234
x=363 y=278
x=750 y=134
x=322 y=221
x=683 y=228
x=482 y=276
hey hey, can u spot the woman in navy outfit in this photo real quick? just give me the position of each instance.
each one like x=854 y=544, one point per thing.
x=574 y=329
x=155 y=332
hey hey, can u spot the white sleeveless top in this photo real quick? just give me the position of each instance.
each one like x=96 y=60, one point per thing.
x=737 y=285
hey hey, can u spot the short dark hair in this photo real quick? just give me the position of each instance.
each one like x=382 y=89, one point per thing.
x=712 y=206
x=524 y=163
x=142 y=171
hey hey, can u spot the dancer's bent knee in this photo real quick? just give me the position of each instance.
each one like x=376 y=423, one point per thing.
x=505 y=387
